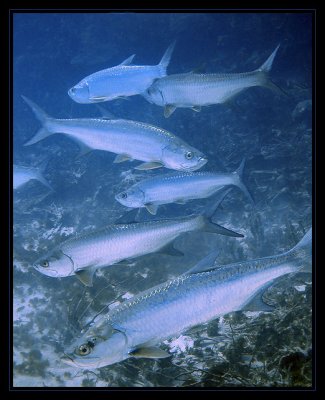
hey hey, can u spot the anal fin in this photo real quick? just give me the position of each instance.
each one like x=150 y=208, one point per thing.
x=256 y=303
x=170 y=250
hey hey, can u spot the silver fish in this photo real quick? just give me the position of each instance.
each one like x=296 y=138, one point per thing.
x=135 y=327
x=179 y=188
x=119 y=81
x=83 y=254
x=22 y=175
x=131 y=140
x=192 y=90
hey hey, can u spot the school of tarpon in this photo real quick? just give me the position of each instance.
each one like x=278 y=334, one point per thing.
x=179 y=174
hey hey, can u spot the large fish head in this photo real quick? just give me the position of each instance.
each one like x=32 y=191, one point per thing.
x=97 y=347
x=154 y=95
x=183 y=157
x=133 y=197
x=55 y=264
x=80 y=93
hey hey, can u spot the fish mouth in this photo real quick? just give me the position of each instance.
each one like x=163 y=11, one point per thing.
x=66 y=359
x=201 y=161
x=46 y=271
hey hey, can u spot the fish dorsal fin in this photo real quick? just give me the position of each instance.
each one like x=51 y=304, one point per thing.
x=121 y=158
x=196 y=108
x=168 y=110
x=128 y=218
x=200 y=69
x=152 y=208
x=149 y=352
x=127 y=61
x=149 y=165
x=105 y=114
x=206 y=264
x=170 y=250
x=86 y=276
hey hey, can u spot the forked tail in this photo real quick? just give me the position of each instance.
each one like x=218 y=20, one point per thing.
x=209 y=225
x=238 y=180
x=264 y=71
x=302 y=252
x=43 y=132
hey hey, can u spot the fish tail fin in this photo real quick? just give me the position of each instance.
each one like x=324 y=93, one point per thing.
x=267 y=65
x=302 y=252
x=209 y=225
x=39 y=113
x=40 y=134
x=166 y=59
x=44 y=181
x=238 y=181
x=43 y=118
x=41 y=169
x=264 y=71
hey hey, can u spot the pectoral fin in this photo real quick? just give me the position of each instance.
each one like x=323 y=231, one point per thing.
x=97 y=99
x=169 y=109
x=86 y=276
x=149 y=165
x=152 y=208
x=121 y=158
x=149 y=352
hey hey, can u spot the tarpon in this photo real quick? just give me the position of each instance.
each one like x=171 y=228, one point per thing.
x=135 y=327
x=131 y=140
x=191 y=90
x=119 y=81
x=84 y=254
x=179 y=188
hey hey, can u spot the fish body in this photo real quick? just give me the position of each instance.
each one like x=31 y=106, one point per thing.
x=191 y=90
x=22 y=175
x=119 y=81
x=131 y=140
x=83 y=254
x=179 y=187
x=133 y=328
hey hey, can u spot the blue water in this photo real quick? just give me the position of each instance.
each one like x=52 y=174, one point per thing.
x=54 y=51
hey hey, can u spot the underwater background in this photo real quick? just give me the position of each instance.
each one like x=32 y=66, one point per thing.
x=54 y=51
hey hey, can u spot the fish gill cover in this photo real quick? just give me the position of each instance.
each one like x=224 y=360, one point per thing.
x=273 y=132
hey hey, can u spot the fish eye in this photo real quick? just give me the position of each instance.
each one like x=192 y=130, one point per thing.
x=84 y=349
x=124 y=195
x=73 y=90
x=45 y=264
x=189 y=155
